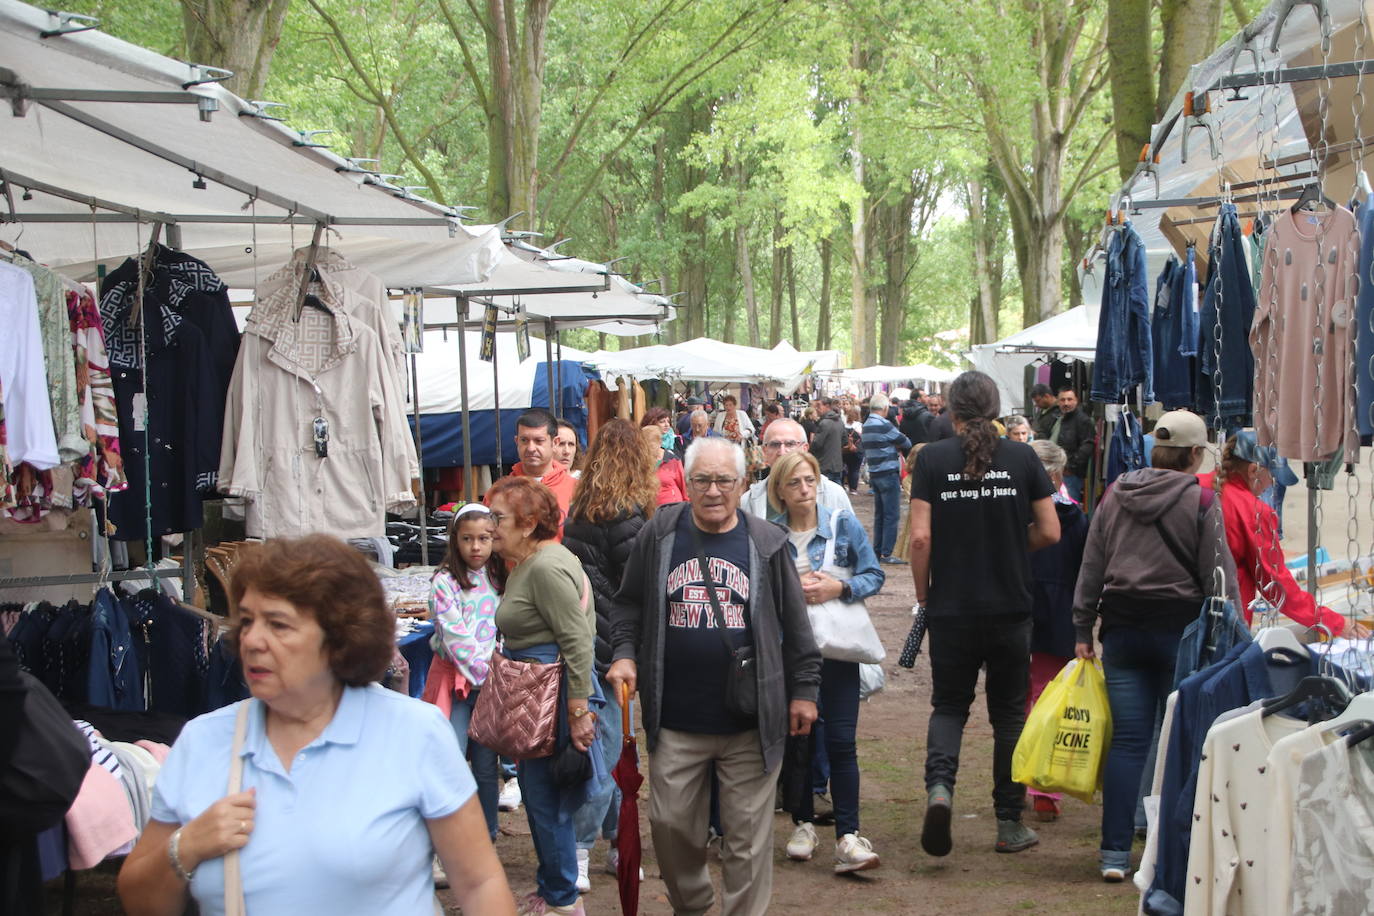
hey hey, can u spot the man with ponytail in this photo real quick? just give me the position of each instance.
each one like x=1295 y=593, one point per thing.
x=979 y=505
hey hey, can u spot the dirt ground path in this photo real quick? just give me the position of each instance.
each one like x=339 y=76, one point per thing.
x=1058 y=876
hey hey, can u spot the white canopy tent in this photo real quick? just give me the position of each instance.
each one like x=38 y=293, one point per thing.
x=880 y=374
x=441 y=379
x=705 y=360
x=103 y=138
x=1072 y=333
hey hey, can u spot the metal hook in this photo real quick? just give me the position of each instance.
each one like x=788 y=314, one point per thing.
x=1199 y=115
x=1323 y=19
x=1235 y=95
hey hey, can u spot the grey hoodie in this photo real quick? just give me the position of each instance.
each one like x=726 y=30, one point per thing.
x=1127 y=565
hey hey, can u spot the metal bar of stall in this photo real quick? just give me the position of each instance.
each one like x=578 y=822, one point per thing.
x=548 y=361
x=463 y=392
x=558 y=339
x=496 y=394
x=421 y=513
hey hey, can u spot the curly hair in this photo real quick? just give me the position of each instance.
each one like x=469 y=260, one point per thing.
x=323 y=577
x=973 y=400
x=531 y=503
x=618 y=475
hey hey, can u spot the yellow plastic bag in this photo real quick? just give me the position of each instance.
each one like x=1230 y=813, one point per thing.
x=1064 y=743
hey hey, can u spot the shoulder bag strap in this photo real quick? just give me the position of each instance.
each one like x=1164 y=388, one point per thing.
x=1187 y=562
x=717 y=614
x=233 y=883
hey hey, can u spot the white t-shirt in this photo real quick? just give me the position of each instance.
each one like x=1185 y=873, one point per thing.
x=799 y=540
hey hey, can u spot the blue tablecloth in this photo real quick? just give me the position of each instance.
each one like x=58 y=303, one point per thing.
x=417 y=653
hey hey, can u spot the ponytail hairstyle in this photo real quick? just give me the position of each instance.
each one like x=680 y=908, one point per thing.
x=974 y=402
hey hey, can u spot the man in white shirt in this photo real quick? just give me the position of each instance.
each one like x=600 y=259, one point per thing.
x=782 y=437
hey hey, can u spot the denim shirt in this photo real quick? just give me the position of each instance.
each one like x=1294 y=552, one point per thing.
x=852 y=550
x=1228 y=305
x=1124 y=346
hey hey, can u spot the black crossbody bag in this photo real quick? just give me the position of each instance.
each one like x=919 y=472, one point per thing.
x=742 y=682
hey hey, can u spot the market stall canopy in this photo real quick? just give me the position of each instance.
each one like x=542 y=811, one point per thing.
x=1072 y=333
x=1263 y=139
x=441 y=380
x=785 y=368
x=880 y=374
x=102 y=136
x=707 y=360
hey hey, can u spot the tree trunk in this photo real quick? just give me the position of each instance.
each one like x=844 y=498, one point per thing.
x=863 y=319
x=515 y=59
x=1130 y=65
x=775 y=303
x=792 y=299
x=894 y=228
x=238 y=35
x=1190 y=29
x=746 y=275
x=983 y=309
x=695 y=116
x=823 y=302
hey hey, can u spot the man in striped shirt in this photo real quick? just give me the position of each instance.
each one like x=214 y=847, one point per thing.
x=882 y=441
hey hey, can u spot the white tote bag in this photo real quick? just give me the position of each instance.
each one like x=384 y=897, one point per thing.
x=842 y=629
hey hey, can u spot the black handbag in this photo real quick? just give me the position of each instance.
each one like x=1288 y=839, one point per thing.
x=742 y=680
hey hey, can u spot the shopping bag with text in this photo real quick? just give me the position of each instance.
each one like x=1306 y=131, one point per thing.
x=1064 y=743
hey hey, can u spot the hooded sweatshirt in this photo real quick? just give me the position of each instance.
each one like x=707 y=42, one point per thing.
x=1130 y=576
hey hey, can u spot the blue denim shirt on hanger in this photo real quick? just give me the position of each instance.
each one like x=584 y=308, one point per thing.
x=1173 y=329
x=1127 y=452
x=1124 y=346
x=1230 y=303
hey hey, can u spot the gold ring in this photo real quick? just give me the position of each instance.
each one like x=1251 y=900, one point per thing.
x=243 y=826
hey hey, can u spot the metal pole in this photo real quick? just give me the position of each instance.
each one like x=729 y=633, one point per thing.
x=1312 y=536
x=420 y=512
x=463 y=391
x=548 y=359
x=496 y=393
x=558 y=337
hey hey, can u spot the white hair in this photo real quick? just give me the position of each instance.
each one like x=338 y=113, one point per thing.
x=703 y=443
x=878 y=403
x=698 y=413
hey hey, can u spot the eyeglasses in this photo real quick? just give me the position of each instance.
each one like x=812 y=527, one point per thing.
x=788 y=444
x=497 y=517
x=704 y=484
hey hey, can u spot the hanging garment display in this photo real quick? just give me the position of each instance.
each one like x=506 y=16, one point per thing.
x=315 y=435
x=102 y=469
x=1174 y=332
x=1303 y=335
x=173 y=424
x=1226 y=367
x=59 y=365
x=1364 y=327
x=370 y=305
x=1124 y=348
x=28 y=412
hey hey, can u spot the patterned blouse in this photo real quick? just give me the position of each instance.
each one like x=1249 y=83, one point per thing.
x=464 y=623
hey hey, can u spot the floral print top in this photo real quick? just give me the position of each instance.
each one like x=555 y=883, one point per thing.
x=464 y=623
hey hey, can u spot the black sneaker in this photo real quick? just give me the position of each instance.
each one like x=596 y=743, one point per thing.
x=935 y=835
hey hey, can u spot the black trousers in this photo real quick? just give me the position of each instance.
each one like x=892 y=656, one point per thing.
x=959 y=648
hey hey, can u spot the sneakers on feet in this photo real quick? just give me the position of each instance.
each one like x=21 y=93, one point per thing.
x=854 y=853
x=803 y=842
x=1113 y=875
x=534 y=905
x=613 y=863
x=1014 y=836
x=440 y=878
x=1046 y=808
x=935 y=835
x=509 y=798
x=584 y=867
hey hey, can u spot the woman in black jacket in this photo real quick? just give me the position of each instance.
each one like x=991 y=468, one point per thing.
x=614 y=499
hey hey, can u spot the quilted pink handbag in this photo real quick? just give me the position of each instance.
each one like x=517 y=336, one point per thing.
x=517 y=711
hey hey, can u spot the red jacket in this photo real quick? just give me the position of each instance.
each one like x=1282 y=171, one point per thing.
x=672 y=486
x=1251 y=533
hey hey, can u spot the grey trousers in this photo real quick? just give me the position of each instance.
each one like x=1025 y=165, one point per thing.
x=679 y=808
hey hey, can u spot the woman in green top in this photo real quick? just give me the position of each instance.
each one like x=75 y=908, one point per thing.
x=546 y=612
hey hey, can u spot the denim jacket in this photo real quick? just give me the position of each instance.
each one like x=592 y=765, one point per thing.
x=852 y=549
x=1124 y=346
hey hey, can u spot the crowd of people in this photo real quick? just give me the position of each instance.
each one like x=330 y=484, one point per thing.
x=689 y=564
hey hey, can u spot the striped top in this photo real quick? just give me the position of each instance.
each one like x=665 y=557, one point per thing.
x=881 y=442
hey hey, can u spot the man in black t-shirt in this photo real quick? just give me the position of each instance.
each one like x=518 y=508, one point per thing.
x=665 y=636
x=979 y=505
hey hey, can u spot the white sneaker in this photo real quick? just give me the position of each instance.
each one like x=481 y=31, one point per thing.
x=854 y=853
x=584 y=878
x=509 y=799
x=613 y=863
x=803 y=842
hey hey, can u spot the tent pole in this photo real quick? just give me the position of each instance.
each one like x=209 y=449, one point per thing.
x=558 y=337
x=420 y=507
x=496 y=393
x=548 y=360
x=463 y=392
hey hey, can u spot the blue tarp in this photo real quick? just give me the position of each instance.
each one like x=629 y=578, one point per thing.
x=442 y=433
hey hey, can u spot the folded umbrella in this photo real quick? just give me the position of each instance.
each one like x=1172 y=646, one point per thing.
x=627 y=776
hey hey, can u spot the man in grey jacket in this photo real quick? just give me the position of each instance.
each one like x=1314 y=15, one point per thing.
x=827 y=444
x=664 y=639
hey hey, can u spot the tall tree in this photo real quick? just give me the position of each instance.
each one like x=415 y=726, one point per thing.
x=238 y=35
x=1190 y=30
x=1130 y=54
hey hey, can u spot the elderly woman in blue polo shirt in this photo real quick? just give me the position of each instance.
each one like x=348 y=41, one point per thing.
x=347 y=788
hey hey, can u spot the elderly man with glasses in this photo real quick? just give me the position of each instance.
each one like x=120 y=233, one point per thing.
x=708 y=593
x=782 y=437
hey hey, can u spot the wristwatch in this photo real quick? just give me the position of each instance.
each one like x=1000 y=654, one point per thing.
x=581 y=711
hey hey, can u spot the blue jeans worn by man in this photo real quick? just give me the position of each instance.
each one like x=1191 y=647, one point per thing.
x=887 y=511
x=1139 y=665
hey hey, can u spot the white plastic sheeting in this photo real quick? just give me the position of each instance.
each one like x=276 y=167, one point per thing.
x=705 y=360
x=880 y=374
x=1072 y=333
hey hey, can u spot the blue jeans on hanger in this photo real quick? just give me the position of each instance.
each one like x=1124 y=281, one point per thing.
x=1174 y=333
x=1124 y=345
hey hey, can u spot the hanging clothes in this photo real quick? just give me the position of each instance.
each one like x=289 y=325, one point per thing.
x=1303 y=336
x=102 y=468
x=175 y=421
x=315 y=435
x=29 y=430
x=371 y=306
x=1174 y=331
x=1226 y=366
x=1124 y=347
x=1126 y=452
x=1364 y=327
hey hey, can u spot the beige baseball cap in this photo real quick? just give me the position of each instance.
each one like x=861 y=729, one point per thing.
x=1181 y=429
